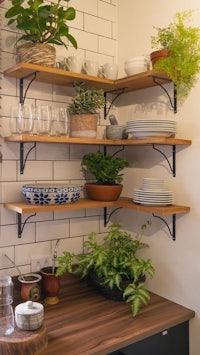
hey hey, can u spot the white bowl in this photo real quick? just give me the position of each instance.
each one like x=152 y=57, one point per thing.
x=131 y=69
x=135 y=59
x=43 y=194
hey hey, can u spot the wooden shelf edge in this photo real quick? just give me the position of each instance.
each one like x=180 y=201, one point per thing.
x=63 y=77
x=97 y=141
x=125 y=202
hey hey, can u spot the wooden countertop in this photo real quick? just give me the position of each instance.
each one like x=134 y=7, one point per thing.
x=85 y=323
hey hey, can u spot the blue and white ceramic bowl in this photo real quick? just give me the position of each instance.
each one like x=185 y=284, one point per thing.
x=43 y=194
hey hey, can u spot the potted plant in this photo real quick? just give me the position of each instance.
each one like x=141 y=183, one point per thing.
x=107 y=171
x=83 y=111
x=42 y=24
x=182 y=42
x=113 y=267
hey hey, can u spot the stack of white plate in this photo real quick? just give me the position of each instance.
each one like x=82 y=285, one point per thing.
x=144 y=128
x=153 y=193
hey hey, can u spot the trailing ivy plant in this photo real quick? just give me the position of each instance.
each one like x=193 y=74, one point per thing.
x=113 y=262
x=183 y=43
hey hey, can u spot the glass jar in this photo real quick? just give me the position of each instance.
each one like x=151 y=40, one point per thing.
x=6 y=309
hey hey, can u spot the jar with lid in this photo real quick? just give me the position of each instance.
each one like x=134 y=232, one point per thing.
x=6 y=309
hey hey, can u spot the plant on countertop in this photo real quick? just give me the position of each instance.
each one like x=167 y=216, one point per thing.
x=86 y=100
x=115 y=264
x=105 y=168
x=42 y=22
x=183 y=43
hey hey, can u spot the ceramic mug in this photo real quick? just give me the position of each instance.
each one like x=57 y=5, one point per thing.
x=73 y=63
x=109 y=71
x=91 y=67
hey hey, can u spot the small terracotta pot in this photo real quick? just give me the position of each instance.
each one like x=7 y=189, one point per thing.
x=51 y=285
x=157 y=55
x=103 y=192
x=30 y=289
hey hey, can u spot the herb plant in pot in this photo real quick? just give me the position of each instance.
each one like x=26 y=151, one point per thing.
x=83 y=111
x=107 y=171
x=113 y=267
x=181 y=43
x=43 y=24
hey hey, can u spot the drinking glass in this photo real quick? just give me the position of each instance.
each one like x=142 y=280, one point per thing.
x=21 y=120
x=43 y=120
x=60 y=124
x=6 y=309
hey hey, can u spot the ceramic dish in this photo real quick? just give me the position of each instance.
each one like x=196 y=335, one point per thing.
x=43 y=194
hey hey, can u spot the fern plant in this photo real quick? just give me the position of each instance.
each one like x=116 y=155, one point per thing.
x=183 y=43
x=115 y=264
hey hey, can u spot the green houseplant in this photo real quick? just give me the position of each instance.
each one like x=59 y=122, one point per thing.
x=182 y=60
x=113 y=267
x=107 y=171
x=83 y=110
x=42 y=24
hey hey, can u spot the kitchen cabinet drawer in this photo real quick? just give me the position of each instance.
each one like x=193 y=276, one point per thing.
x=173 y=341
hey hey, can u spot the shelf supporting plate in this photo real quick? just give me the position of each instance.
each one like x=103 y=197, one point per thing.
x=22 y=96
x=106 y=217
x=173 y=101
x=118 y=93
x=22 y=159
x=173 y=165
x=20 y=225
x=172 y=231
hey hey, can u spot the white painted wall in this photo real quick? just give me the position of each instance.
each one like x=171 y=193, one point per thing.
x=177 y=263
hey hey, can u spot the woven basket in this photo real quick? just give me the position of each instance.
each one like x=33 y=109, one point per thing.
x=37 y=53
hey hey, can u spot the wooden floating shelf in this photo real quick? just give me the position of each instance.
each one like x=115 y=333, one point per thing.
x=96 y=141
x=125 y=202
x=67 y=78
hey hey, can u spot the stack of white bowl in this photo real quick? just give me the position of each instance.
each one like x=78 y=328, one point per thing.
x=135 y=65
x=144 y=128
x=153 y=193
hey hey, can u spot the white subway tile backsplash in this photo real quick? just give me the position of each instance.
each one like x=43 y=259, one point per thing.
x=84 y=226
x=95 y=29
x=23 y=253
x=97 y=25
x=87 y=6
x=52 y=230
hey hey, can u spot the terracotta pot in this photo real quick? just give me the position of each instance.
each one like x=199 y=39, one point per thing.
x=157 y=55
x=103 y=192
x=51 y=285
x=30 y=289
x=83 y=126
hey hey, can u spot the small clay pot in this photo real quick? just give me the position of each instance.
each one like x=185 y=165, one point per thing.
x=157 y=55
x=30 y=289
x=51 y=285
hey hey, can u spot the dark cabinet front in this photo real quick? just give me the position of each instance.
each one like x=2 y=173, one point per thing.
x=172 y=341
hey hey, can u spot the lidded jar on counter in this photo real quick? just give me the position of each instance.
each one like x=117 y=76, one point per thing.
x=6 y=309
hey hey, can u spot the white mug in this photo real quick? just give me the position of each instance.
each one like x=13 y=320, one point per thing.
x=109 y=71
x=91 y=67
x=73 y=63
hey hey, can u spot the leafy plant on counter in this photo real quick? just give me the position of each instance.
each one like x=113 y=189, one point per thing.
x=114 y=263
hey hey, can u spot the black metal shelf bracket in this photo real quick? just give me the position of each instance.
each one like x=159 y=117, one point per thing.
x=22 y=159
x=22 y=96
x=173 y=165
x=105 y=150
x=106 y=217
x=172 y=231
x=173 y=102
x=120 y=92
x=20 y=225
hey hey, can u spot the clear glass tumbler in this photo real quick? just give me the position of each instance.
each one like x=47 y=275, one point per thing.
x=60 y=124
x=43 y=120
x=22 y=119
x=6 y=309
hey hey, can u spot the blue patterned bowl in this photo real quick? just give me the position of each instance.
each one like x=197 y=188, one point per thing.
x=43 y=194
